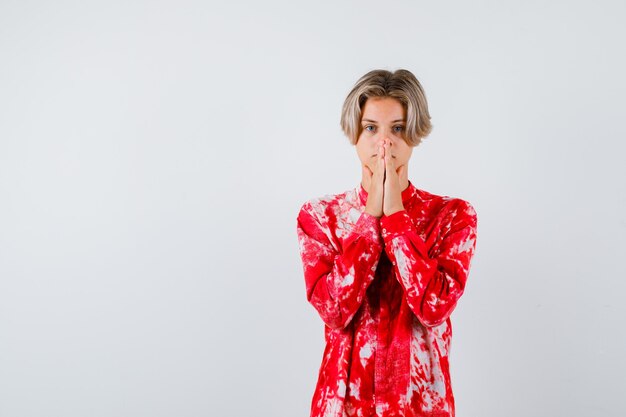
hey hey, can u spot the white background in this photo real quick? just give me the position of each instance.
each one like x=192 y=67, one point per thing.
x=154 y=156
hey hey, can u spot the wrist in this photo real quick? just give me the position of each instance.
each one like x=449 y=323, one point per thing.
x=393 y=210
x=374 y=213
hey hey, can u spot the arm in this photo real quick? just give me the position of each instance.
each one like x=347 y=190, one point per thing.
x=336 y=282
x=432 y=274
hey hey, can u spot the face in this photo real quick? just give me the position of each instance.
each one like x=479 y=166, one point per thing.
x=383 y=117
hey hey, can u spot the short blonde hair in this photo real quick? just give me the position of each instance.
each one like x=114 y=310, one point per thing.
x=401 y=85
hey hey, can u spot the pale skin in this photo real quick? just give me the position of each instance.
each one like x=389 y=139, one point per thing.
x=384 y=155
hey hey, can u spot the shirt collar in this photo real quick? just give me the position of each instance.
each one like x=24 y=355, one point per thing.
x=408 y=193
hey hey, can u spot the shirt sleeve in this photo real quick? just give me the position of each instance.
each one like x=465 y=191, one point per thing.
x=337 y=278
x=433 y=274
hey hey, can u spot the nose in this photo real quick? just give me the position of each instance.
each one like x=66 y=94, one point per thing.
x=386 y=137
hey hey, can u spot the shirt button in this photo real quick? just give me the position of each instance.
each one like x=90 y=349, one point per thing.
x=384 y=230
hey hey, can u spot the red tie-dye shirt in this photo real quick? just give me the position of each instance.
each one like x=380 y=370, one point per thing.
x=385 y=289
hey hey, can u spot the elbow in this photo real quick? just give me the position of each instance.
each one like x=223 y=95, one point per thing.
x=343 y=322
x=432 y=321
x=434 y=310
x=329 y=308
x=335 y=324
x=332 y=319
x=335 y=320
x=434 y=315
x=332 y=316
x=329 y=311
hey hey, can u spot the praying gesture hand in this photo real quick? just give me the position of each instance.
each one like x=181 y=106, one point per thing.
x=392 y=191
x=384 y=195
x=376 y=179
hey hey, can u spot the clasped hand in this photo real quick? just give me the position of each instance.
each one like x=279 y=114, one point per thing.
x=385 y=194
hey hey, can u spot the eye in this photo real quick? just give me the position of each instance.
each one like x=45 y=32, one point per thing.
x=367 y=127
x=398 y=128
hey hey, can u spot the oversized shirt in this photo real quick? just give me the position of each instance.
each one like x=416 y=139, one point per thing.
x=385 y=288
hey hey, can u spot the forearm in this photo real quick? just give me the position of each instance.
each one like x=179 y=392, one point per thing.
x=337 y=281
x=432 y=274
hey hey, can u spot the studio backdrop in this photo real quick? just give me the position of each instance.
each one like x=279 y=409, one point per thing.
x=154 y=156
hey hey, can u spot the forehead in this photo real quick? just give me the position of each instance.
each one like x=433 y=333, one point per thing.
x=383 y=108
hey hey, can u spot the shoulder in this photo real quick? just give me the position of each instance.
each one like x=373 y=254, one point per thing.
x=459 y=207
x=328 y=205
x=323 y=218
x=449 y=206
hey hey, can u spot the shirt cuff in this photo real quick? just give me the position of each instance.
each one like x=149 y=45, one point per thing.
x=401 y=224
x=369 y=227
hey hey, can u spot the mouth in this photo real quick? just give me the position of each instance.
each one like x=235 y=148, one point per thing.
x=375 y=155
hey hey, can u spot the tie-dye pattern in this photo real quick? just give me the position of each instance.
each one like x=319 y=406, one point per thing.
x=385 y=289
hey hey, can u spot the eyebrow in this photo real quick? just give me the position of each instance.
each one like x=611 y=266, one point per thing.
x=374 y=121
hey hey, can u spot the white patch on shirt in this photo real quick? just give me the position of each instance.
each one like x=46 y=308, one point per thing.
x=432 y=300
x=341 y=389
x=354 y=390
x=333 y=407
x=467 y=245
x=365 y=353
x=348 y=279
x=381 y=408
x=400 y=251
x=354 y=215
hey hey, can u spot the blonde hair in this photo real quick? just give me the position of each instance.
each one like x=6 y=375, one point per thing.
x=401 y=85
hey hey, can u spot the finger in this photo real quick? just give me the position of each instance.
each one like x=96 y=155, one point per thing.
x=381 y=156
x=389 y=162
x=387 y=151
x=380 y=171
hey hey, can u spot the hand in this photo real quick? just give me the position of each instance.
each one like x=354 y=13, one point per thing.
x=376 y=178
x=392 y=190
